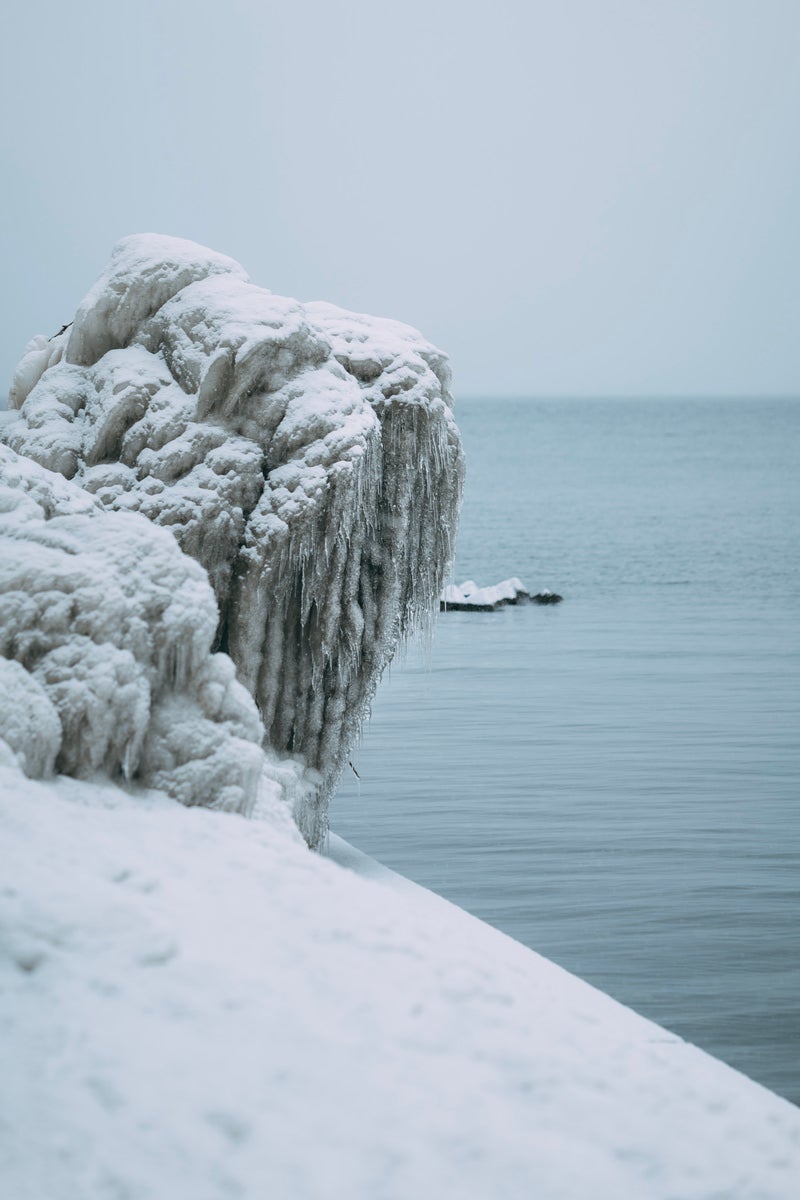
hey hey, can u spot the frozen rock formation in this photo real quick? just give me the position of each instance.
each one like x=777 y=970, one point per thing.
x=306 y=457
x=468 y=597
x=105 y=630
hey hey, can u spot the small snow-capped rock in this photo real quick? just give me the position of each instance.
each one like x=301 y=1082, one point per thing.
x=468 y=597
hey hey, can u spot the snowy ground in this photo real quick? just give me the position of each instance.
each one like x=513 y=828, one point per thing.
x=195 y=1005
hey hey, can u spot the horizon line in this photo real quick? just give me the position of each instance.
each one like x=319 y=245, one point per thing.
x=461 y=395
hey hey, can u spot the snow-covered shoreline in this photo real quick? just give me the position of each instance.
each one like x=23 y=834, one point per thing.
x=194 y=1003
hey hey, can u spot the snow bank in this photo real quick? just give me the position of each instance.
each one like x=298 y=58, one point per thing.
x=468 y=596
x=306 y=457
x=199 y=1006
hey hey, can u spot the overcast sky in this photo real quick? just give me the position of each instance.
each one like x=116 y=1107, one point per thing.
x=569 y=196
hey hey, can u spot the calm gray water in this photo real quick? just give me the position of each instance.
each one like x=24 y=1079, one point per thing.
x=615 y=781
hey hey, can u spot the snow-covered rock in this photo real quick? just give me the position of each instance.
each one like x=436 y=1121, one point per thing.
x=306 y=457
x=193 y=1005
x=468 y=596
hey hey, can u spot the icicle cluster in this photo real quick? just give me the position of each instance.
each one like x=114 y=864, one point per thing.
x=305 y=456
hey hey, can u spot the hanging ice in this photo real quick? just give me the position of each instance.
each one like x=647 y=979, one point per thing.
x=307 y=457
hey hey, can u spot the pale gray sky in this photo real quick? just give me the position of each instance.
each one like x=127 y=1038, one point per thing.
x=570 y=196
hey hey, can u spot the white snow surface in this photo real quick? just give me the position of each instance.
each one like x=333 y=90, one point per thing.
x=196 y=1005
x=305 y=456
x=468 y=594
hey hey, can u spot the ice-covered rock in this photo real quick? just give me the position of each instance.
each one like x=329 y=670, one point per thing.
x=306 y=457
x=105 y=636
x=468 y=597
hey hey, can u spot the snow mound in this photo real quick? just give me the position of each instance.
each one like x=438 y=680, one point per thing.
x=306 y=457
x=467 y=597
x=105 y=633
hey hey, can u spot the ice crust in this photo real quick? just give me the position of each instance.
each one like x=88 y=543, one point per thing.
x=305 y=456
x=105 y=633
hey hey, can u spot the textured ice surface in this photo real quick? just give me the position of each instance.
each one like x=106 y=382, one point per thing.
x=307 y=457
x=105 y=633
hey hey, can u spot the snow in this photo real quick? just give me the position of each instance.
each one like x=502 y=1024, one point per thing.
x=468 y=595
x=105 y=633
x=40 y=353
x=305 y=456
x=142 y=275
x=193 y=1004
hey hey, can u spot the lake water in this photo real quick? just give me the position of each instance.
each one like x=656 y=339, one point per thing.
x=615 y=781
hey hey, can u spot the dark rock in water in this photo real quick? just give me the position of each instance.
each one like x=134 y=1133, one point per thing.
x=546 y=598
